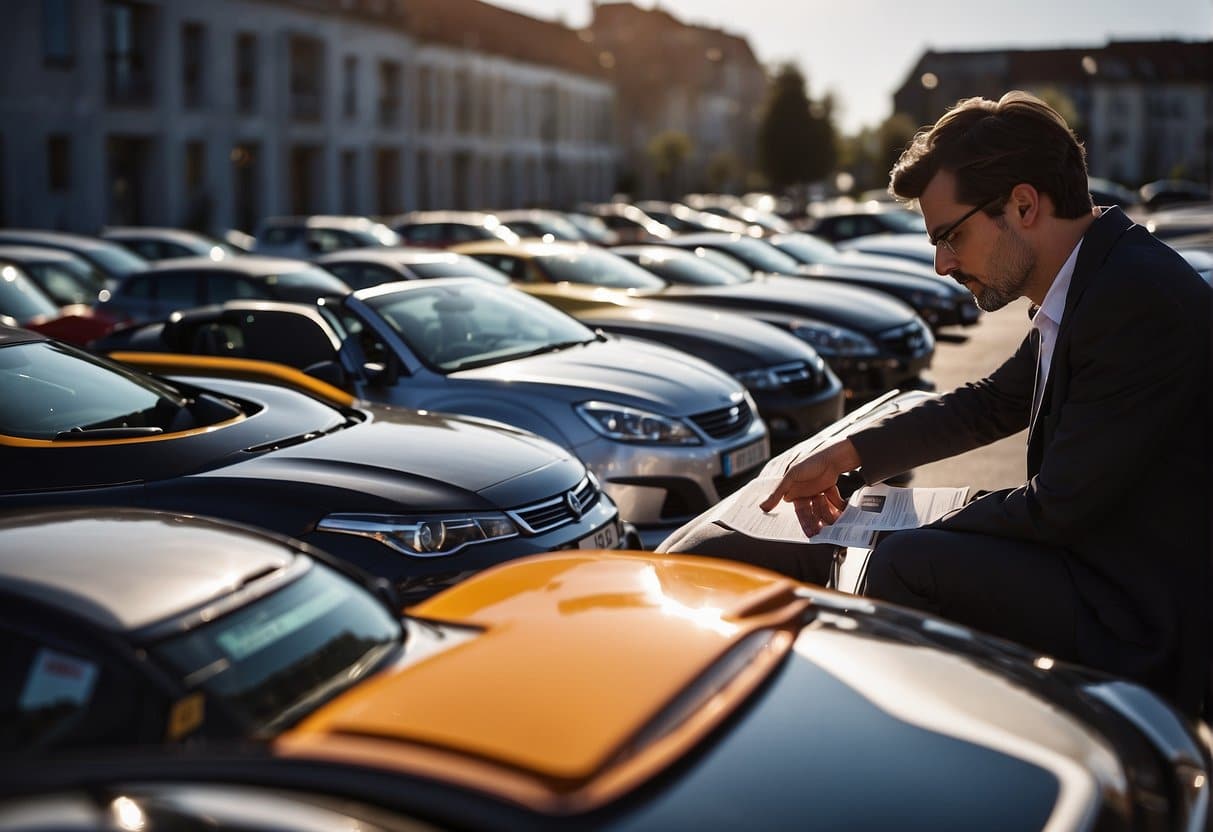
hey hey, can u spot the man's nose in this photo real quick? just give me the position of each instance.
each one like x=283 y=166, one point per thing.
x=945 y=261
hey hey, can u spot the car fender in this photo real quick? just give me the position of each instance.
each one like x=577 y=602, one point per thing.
x=512 y=413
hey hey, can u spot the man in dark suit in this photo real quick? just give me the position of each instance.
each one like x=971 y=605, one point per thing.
x=1102 y=556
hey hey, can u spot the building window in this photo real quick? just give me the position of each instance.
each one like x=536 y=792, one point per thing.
x=58 y=163
x=193 y=60
x=425 y=116
x=349 y=181
x=129 y=52
x=307 y=78
x=463 y=102
x=246 y=73
x=349 y=93
x=198 y=201
x=58 y=33
x=389 y=93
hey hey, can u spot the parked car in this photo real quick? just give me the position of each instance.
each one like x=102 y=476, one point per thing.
x=24 y=303
x=629 y=223
x=112 y=260
x=154 y=243
x=940 y=301
x=568 y=691
x=365 y=267
x=914 y=247
x=666 y=433
x=592 y=228
x=183 y=283
x=541 y=225
x=1107 y=192
x=732 y=207
x=796 y=393
x=440 y=229
x=873 y=342
x=1163 y=192
x=862 y=223
x=311 y=236
x=683 y=219
x=66 y=278
x=421 y=499
x=1178 y=221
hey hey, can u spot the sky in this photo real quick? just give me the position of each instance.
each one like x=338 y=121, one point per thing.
x=862 y=50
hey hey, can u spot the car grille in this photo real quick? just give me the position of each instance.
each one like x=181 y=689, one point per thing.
x=799 y=378
x=557 y=511
x=727 y=421
x=910 y=340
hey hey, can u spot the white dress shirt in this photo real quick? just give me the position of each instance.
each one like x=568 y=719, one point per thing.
x=1047 y=321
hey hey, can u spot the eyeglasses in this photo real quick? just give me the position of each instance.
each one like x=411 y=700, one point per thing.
x=944 y=237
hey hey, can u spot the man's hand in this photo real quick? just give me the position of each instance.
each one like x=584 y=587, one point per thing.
x=810 y=485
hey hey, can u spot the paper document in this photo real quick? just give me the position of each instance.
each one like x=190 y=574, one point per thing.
x=871 y=509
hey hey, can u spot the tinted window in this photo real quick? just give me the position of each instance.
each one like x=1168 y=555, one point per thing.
x=429 y=233
x=114 y=260
x=759 y=256
x=20 y=298
x=283 y=655
x=136 y=287
x=282 y=337
x=462 y=233
x=281 y=235
x=598 y=268
x=65 y=283
x=177 y=289
x=48 y=388
x=217 y=288
x=686 y=268
x=305 y=284
x=512 y=267
x=362 y=275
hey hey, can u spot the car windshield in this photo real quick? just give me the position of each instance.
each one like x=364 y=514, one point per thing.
x=759 y=256
x=377 y=235
x=52 y=391
x=473 y=324
x=114 y=260
x=806 y=248
x=278 y=658
x=598 y=268
x=21 y=299
x=905 y=221
x=591 y=228
x=67 y=281
x=456 y=265
x=557 y=227
x=683 y=267
x=309 y=283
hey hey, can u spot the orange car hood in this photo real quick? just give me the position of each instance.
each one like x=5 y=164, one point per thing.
x=578 y=654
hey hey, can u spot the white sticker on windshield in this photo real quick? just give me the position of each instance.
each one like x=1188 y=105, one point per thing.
x=57 y=678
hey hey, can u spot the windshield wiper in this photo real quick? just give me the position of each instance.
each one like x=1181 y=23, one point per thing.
x=79 y=434
x=472 y=363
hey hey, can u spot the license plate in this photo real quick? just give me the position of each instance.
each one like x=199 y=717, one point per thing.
x=743 y=459
x=605 y=538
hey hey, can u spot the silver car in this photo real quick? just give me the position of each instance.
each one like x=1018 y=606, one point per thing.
x=666 y=433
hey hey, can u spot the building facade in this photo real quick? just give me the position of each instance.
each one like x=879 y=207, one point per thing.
x=214 y=115
x=1144 y=109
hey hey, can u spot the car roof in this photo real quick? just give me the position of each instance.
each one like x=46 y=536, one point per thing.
x=421 y=286
x=148 y=232
x=706 y=238
x=249 y=265
x=320 y=221
x=36 y=254
x=54 y=239
x=394 y=255
x=460 y=217
x=124 y=569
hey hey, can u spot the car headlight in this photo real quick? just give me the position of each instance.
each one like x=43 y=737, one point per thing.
x=764 y=379
x=627 y=424
x=423 y=536
x=830 y=340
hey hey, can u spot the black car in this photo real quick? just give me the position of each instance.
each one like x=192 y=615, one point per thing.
x=363 y=267
x=872 y=341
x=183 y=283
x=847 y=225
x=422 y=499
x=940 y=301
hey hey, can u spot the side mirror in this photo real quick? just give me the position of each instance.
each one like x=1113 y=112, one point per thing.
x=381 y=373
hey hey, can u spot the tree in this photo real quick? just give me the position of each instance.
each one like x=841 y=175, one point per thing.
x=796 y=137
x=668 y=150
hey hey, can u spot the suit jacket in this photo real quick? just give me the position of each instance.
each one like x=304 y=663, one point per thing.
x=1118 y=457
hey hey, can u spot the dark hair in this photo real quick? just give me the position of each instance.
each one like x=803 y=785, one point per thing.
x=992 y=146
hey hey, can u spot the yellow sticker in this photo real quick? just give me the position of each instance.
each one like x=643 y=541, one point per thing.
x=186 y=715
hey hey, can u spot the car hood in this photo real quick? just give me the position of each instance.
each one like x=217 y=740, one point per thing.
x=570 y=679
x=628 y=372
x=558 y=637
x=881 y=278
x=896 y=265
x=854 y=308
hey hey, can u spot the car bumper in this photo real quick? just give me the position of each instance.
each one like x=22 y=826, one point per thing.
x=416 y=578
x=660 y=487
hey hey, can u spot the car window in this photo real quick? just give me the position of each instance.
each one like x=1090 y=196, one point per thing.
x=374 y=349
x=685 y=268
x=62 y=284
x=463 y=232
x=598 y=268
x=907 y=222
x=428 y=233
x=512 y=267
x=474 y=324
x=54 y=696
x=457 y=265
x=277 y=658
x=114 y=259
x=760 y=255
x=324 y=240
x=281 y=234
x=177 y=290
x=20 y=297
x=47 y=388
x=217 y=288
x=362 y=275
x=282 y=337
x=136 y=287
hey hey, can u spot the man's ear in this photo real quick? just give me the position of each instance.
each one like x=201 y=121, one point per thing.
x=1025 y=202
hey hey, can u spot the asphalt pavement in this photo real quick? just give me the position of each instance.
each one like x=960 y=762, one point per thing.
x=967 y=355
